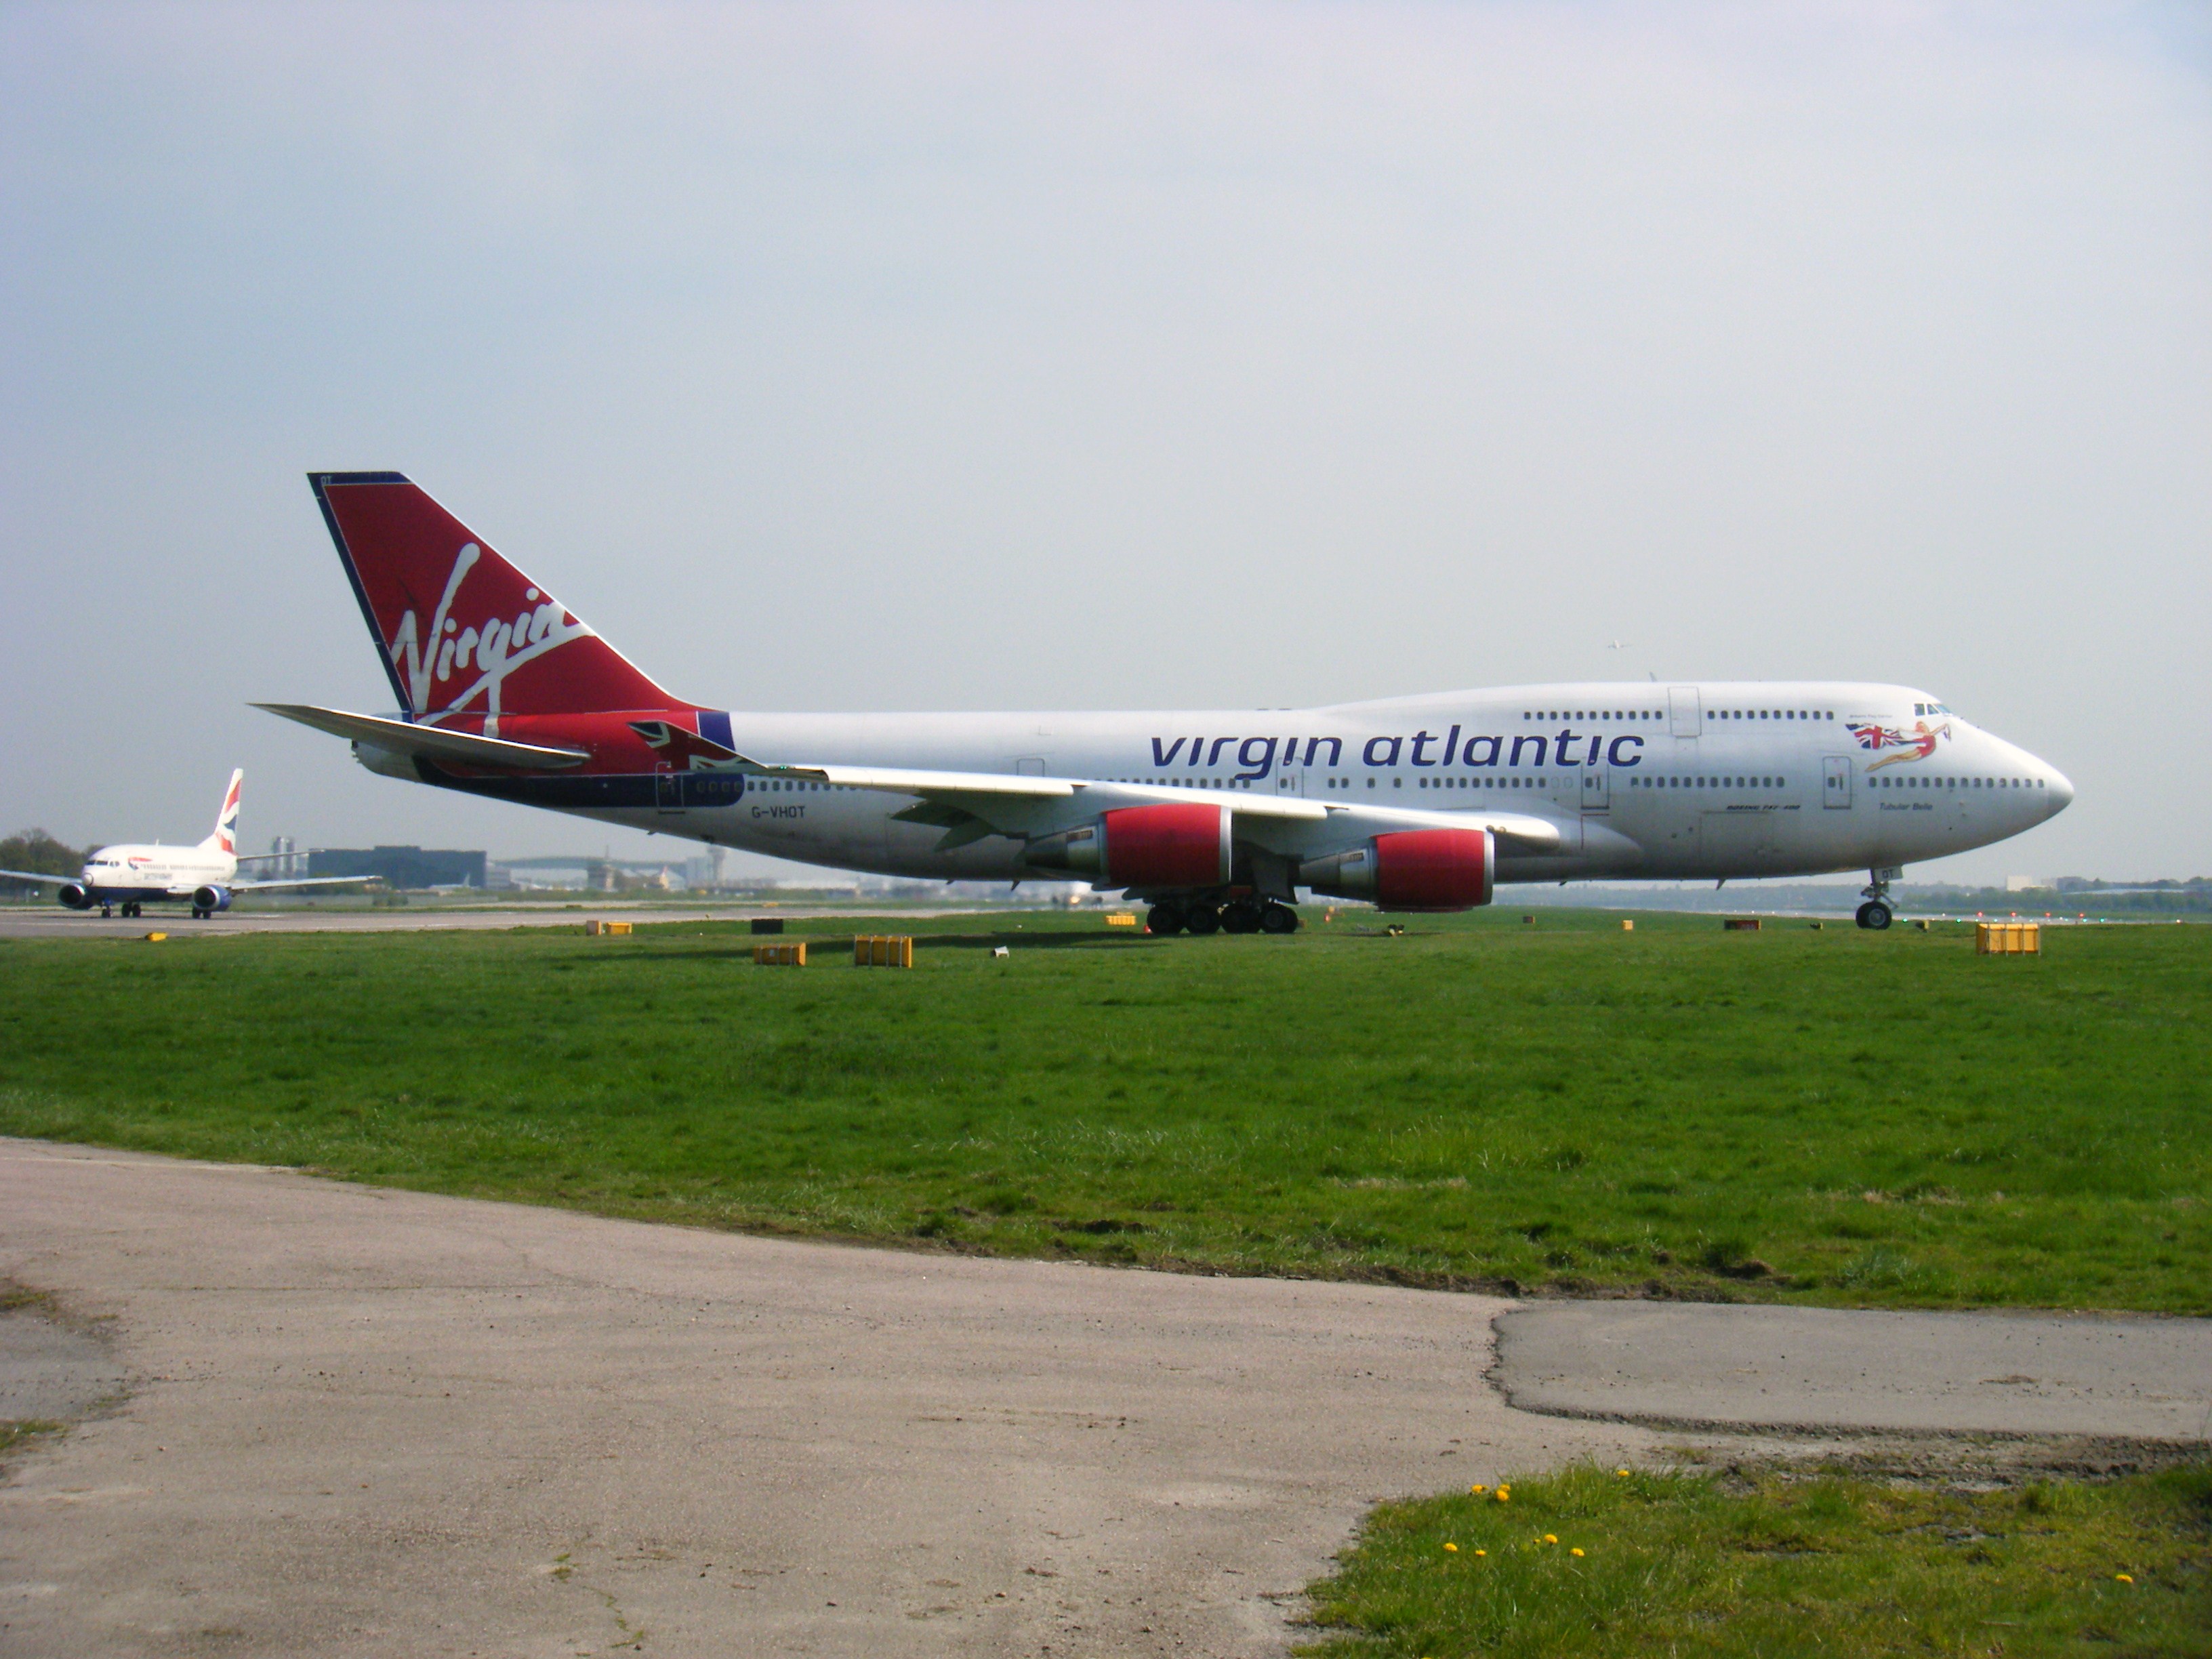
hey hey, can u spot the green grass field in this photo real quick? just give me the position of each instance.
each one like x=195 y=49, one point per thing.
x=1590 y=1562
x=1827 y=1116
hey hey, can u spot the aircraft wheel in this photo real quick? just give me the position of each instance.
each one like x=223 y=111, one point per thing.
x=1874 y=914
x=1279 y=919
x=106 y=910
x=1163 y=920
x=1240 y=919
x=1202 y=918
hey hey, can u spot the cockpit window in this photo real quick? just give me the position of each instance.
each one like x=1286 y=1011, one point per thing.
x=1927 y=709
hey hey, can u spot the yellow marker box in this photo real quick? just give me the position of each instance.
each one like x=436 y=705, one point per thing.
x=2008 y=939
x=883 y=950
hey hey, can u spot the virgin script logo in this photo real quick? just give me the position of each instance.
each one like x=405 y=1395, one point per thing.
x=494 y=650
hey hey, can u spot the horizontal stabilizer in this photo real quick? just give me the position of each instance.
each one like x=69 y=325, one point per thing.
x=431 y=742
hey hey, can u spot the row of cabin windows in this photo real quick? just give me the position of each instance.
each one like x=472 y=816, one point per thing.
x=1714 y=713
x=1449 y=781
x=1674 y=780
x=1923 y=781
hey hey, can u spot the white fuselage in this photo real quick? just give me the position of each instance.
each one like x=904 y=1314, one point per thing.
x=1711 y=780
x=134 y=873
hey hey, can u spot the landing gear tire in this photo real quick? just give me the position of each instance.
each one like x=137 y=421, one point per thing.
x=1240 y=918
x=1202 y=918
x=130 y=910
x=1874 y=915
x=199 y=915
x=1163 y=920
x=1279 y=919
x=106 y=909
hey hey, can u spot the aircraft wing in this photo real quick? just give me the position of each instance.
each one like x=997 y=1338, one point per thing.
x=254 y=884
x=972 y=804
x=37 y=875
x=432 y=742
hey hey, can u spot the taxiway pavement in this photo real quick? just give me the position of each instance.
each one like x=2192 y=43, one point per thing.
x=40 y=922
x=359 y=1421
x=364 y=1422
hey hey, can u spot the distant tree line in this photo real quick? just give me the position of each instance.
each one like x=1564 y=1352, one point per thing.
x=34 y=849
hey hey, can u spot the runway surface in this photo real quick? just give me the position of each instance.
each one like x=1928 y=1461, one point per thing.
x=368 y=1422
x=360 y=1421
x=28 y=922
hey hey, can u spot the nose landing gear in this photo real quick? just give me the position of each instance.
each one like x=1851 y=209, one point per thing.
x=1877 y=912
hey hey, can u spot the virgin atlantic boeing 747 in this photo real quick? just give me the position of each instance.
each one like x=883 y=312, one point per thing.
x=1215 y=817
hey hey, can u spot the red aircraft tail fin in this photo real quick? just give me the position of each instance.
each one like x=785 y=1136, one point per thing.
x=464 y=633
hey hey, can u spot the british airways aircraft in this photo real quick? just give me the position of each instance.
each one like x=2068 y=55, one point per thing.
x=205 y=875
x=1215 y=817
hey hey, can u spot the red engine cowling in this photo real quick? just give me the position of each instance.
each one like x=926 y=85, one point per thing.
x=1411 y=870
x=1171 y=845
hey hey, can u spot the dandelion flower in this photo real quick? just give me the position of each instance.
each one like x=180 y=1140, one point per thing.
x=2123 y=1578
x=1477 y=1490
x=1551 y=1538
x=1504 y=1495
x=1454 y=1548
x=1482 y=1552
x=1622 y=1473
x=1574 y=1552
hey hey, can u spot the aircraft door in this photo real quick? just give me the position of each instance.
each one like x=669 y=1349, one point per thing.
x=667 y=790
x=1597 y=789
x=1836 y=781
x=1685 y=710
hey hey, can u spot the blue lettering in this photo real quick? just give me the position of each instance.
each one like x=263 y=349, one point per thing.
x=1368 y=753
x=1165 y=757
x=1519 y=743
x=1257 y=766
x=1491 y=759
x=1612 y=752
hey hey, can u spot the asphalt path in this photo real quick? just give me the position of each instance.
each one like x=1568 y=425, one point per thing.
x=368 y=1422
x=355 y=1420
x=1694 y=1366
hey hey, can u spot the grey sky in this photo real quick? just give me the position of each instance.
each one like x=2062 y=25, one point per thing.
x=932 y=356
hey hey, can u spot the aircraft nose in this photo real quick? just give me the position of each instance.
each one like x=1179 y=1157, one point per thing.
x=2058 y=790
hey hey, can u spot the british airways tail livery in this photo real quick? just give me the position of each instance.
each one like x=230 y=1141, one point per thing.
x=1214 y=816
x=127 y=875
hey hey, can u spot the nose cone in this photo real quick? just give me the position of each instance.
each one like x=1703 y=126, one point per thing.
x=2058 y=790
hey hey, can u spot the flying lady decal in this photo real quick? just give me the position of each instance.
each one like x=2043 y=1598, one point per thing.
x=1915 y=746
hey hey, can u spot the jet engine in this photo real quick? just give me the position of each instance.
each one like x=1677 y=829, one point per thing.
x=1411 y=870
x=75 y=895
x=210 y=899
x=1169 y=845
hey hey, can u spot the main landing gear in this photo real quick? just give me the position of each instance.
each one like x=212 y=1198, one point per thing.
x=1876 y=914
x=1241 y=915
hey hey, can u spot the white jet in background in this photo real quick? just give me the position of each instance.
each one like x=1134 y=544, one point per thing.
x=127 y=874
